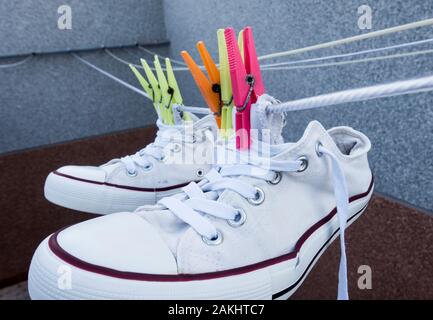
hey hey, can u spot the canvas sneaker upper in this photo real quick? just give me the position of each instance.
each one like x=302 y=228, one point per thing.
x=180 y=153
x=245 y=212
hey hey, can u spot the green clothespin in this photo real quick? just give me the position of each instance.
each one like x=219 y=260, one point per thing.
x=153 y=83
x=148 y=88
x=166 y=92
x=172 y=84
x=226 y=87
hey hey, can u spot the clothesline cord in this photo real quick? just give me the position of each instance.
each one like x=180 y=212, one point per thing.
x=369 y=35
x=16 y=64
x=153 y=53
x=356 y=95
x=112 y=77
x=350 y=54
x=355 y=61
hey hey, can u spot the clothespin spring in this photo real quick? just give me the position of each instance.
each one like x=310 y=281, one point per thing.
x=250 y=81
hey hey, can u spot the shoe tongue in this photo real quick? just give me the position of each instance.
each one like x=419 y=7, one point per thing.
x=268 y=127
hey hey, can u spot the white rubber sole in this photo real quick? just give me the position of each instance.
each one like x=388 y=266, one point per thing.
x=97 y=198
x=276 y=281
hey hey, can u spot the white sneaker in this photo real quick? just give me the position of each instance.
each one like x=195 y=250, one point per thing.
x=247 y=231
x=180 y=154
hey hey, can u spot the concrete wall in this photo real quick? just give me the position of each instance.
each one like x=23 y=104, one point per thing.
x=55 y=98
x=400 y=128
x=28 y=26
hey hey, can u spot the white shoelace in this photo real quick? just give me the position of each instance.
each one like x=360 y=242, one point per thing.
x=200 y=199
x=165 y=136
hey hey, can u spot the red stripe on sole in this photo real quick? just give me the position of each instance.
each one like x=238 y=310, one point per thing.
x=74 y=261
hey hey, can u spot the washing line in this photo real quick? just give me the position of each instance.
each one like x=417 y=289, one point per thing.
x=340 y=63
x=369 y=35
x=109 y=75
x=392 y=89
x=153 y=53
x=350 y=54
x=117 y=58
x=309 y=66
x=16 y=64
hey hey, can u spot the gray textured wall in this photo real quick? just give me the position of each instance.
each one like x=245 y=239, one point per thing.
x=28 y=26
x=400 y=128
x=55 y=98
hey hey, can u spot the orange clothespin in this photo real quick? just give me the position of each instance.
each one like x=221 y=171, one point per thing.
x=209 y=87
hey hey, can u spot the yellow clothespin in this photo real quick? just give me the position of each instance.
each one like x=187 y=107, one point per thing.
x=226 y=87
x=166 y=94
x=164 y=91
x=148 y=87
x=153 y=82
x=172 y=84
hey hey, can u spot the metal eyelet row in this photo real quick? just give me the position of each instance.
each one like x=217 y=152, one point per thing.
x=134 y=173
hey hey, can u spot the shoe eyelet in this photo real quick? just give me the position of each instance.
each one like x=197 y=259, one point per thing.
x=277 y=178
x=176 y=147
x=239 y=220
x=148 y=167
x=214 y=241
x=259 y=198
x=131 y=174
x=200 y=173
x=304 y=163
x=318 y=145
x=163 y=158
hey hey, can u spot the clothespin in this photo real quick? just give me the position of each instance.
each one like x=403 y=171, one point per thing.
x=247 y=84
x=209 y=87
x=163 y=91
x=169 y=90
x=226 y=86
x=151 y=87
x=217 y=89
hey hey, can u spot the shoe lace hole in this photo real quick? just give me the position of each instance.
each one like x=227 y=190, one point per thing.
x=131 y=173
x=176 y=147
x=277 y=178
x=259 y=197
x=318 y=146
x=239 y=219
x=148 y=167
x=304 y=163
x=217 y=239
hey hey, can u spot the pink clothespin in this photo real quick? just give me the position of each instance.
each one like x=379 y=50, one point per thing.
x=246 y=80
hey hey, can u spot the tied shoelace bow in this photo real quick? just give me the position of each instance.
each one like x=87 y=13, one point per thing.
x=177 y=135
x=200 y=199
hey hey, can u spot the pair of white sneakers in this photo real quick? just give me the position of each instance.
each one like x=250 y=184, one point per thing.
x=249 y=226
